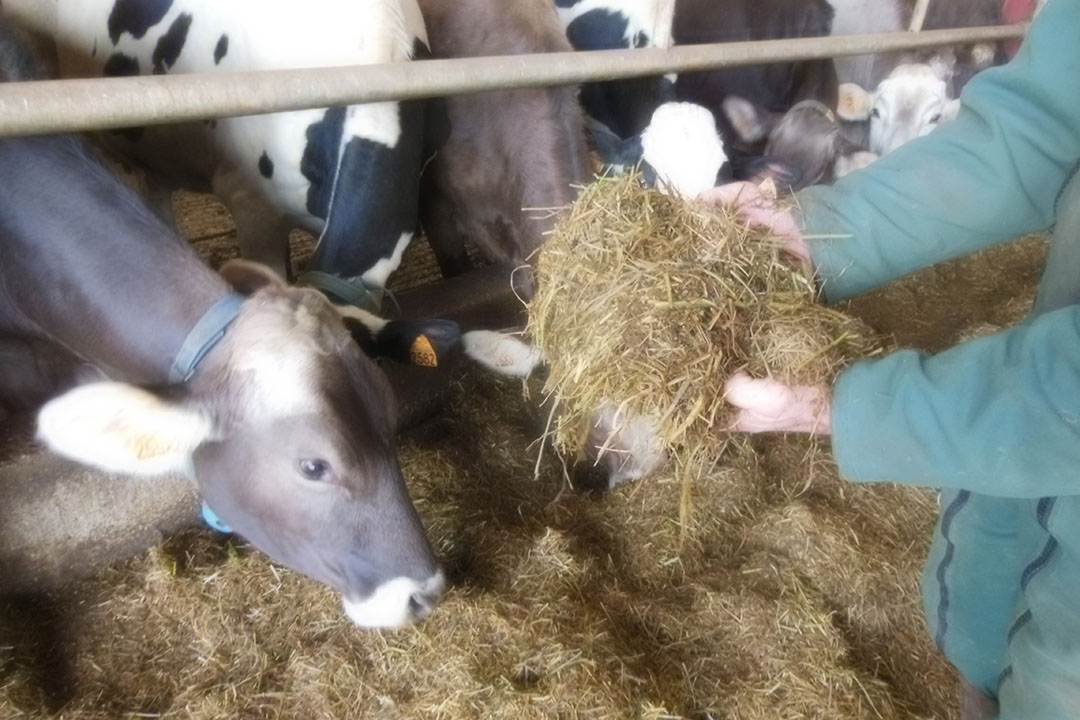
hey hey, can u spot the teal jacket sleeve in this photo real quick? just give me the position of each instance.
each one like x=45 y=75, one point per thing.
x=999 y=415
x=991 y=174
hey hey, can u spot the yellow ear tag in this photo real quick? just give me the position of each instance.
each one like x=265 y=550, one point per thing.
x=422 y=353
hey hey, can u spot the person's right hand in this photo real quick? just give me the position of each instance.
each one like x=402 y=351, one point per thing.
x=759 y=210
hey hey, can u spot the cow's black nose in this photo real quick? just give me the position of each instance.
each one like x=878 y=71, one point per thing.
x=422 y=603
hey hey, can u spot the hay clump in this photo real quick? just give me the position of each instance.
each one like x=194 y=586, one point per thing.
x=649 y=302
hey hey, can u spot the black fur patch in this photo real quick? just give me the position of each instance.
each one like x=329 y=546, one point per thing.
x=16 y=60
x=436 y=114
x=170 y=45
x=624 y=106
x=121 y=65
x=374 y=202
x=266 y=166
x=221 y=49
x=398 y=340
x=597 y=30
x=136 y=17
x=319 y=163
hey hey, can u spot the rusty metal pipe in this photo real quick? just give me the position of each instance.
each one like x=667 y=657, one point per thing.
x=102 y=103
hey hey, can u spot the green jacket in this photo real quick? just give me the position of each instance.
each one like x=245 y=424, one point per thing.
x=994 y=422
x=999 y=415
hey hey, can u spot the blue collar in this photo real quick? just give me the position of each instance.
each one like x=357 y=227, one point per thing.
x=207 y=332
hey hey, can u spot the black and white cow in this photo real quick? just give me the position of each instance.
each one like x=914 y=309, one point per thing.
x=772 y=89
x=254 y=388
x=640 y=120
x=630 y=111
x=348 y=174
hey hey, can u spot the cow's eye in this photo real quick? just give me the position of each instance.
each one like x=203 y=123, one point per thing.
x=935 y=119
x=315 y=469
x=875 y=113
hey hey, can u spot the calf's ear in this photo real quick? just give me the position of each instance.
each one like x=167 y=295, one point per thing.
x=426 y=343
x=855 y=103
x=246 y=276
x=122 y=428
x=752 y=123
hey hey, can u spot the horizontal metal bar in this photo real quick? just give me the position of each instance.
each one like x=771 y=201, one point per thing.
x=52 y=106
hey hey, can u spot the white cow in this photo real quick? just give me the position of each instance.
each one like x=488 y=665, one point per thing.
x=909 y=103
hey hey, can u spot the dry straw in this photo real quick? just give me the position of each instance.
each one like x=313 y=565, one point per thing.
x=650 y=302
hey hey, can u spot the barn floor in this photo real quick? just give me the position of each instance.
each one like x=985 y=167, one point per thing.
x=790 y=594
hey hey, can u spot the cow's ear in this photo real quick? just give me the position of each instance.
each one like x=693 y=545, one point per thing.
x=855 y=103
x=426 y=343
x=123 y=428
x=783 y=175
x=951 y=108
x=246 y=276
x=752 y=123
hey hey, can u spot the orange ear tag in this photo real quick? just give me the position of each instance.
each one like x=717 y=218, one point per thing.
x=422 y=353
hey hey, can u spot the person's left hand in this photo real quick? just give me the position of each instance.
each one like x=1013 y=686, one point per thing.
x=767 y=405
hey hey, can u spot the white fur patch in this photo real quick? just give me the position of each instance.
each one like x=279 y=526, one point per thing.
x=275 y=345
x=380 y=271
x=847 y=164
x=682 y=146
x=122 y=428
x=371 y=321
x=502 y=353
x=629 y=447
x=389 y=605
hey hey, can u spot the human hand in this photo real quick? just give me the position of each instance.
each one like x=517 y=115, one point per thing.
x=758 y=209
x=767 y=405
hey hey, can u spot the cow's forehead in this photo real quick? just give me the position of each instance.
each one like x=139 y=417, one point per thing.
x=284 y=352
x=912 y=89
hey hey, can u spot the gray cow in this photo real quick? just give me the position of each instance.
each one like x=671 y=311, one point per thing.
x=254 y=388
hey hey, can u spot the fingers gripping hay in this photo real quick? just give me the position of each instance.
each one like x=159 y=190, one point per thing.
x=650 y=302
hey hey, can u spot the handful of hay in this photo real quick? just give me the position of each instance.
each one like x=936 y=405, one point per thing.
x=649 y=303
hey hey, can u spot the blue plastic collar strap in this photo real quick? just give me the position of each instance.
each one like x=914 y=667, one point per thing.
x=204 y=336
x=213 y=521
